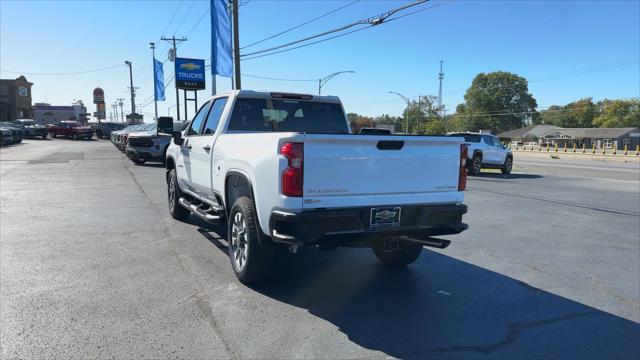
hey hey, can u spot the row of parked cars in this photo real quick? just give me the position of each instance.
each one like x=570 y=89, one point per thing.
x=12 y=132
x=142 y=143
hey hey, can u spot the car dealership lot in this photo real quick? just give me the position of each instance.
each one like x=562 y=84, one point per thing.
x=91 y=265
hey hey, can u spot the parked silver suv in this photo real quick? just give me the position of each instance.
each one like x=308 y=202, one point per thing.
x=486 y=151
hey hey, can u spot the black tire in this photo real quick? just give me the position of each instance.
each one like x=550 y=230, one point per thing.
x=76 y=137
x=99 y=134
x=250 y=260
x=44 y=136
x=407 y=254
x=173 y=193
x=508 y=165
x=476 y=165
x=53 y=135
x=139 y=161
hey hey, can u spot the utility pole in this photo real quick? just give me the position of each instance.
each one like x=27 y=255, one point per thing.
x=420 y=114
x=236 y=46
x=120 y=102
x=133 y=91
x=440 y=77
x=155 y=97
x=172 y=41
x=115 y=110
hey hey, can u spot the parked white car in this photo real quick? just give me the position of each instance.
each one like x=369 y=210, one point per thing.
x=284 y=171
x=486 y=151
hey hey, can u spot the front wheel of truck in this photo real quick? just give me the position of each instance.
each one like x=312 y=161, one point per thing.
x=250 y=260
x=394 y=252
x=174 y=194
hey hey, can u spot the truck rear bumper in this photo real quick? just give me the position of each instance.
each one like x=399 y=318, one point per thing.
x=324 y=226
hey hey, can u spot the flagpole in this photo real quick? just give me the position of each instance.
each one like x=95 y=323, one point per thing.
x=155 y=90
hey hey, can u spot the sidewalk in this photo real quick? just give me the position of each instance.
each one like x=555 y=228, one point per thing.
x=578 y=155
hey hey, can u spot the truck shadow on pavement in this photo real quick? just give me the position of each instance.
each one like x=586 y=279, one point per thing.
x=441 y=307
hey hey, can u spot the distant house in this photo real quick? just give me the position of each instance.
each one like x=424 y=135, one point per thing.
x=600 y=138
x=528 y=133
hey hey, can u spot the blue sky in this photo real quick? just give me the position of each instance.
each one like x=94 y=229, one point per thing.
x=557 y=45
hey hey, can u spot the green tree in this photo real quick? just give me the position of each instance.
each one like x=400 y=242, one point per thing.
x=618 y=113
x=420 y=113
x=577 y=114
x=497 y=101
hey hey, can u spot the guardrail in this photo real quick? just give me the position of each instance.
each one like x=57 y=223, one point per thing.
x=575 y=150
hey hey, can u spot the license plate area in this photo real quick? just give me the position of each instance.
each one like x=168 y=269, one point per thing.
x=385 y=216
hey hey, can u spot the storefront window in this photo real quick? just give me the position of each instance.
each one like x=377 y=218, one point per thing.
x=608 y=143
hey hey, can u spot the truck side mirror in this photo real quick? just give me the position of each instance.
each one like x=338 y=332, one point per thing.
x=165 y=125
x=177 y=138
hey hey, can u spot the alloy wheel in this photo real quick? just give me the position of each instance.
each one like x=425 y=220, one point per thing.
x=239 y=243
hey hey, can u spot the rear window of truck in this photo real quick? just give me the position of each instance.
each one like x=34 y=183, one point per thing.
x=285 y=115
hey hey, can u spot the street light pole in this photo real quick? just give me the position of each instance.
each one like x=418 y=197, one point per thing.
x=406 y=118
x=323 y=81
x=155 y=95
x=133 y=94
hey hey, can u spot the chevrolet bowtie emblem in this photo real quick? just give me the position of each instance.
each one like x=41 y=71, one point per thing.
x=190 y=66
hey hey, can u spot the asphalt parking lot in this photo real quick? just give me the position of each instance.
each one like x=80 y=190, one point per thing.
x=92 y=266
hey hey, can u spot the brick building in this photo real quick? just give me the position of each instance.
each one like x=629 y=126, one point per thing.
x=15 y=99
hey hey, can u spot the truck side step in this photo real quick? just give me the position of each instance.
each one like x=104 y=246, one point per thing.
x=210 y=215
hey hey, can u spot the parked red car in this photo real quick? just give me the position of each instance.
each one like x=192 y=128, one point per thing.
x=70 y=129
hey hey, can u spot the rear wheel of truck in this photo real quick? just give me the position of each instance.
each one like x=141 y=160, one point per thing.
x=250 y=260
x=175 y=209
x=99 y=134
x=399 y=253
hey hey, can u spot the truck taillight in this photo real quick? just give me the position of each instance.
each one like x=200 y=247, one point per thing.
x=462 y=177
x=292 y=175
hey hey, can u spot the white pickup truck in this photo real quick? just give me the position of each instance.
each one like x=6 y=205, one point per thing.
x=283 y=170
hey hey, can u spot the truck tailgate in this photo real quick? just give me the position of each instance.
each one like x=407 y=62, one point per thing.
x=369 y=170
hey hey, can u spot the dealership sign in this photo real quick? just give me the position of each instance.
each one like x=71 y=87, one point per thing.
x=190 y=74
x=98 y=96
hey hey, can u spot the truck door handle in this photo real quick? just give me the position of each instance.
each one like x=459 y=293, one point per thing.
x=206 y=148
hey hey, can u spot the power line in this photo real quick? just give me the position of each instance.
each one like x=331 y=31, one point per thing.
x=67 y=73
x=371 y=21
x=587 y=70
x=172 y=17
x=185 y=15
x=198 y=22
x=305 y=45
x=299 y=25
x=278 y=79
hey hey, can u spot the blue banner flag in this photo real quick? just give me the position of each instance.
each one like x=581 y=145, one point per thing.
x=158 y=80
x=221 y=60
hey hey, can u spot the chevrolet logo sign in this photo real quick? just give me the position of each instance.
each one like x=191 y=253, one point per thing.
x=385 y=214
x=190 y=66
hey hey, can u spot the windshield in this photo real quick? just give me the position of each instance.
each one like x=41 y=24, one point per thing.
x=288 y=116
